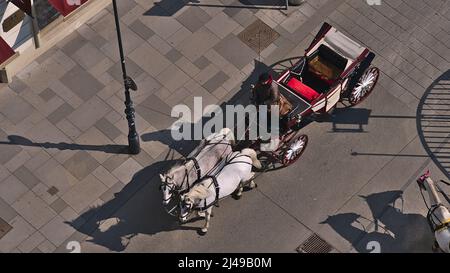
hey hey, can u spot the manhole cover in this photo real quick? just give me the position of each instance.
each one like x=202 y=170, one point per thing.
x=314 y=244
x=4 y=228
x=258 y=36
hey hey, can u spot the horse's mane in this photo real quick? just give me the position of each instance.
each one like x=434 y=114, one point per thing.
x=175 y=167
x=199 y=191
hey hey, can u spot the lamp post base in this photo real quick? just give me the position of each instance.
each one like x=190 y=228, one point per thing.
x=134 y=146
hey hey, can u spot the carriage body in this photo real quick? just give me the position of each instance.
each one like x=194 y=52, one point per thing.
x=334 y=68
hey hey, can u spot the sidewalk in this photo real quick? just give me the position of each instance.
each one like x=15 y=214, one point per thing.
x=62 y=127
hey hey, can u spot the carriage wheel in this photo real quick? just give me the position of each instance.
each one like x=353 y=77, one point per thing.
x=293 y=150
x=365 y=86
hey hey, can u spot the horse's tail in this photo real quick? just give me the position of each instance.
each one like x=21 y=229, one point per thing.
x=252 y=154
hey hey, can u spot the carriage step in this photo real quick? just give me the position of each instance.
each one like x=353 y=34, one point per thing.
x=314 y=244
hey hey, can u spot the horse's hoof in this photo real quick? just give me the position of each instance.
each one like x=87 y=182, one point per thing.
x=201 y=232
x=237 y=197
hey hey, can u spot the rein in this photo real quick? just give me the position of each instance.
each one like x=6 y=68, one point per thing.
x=196 y=166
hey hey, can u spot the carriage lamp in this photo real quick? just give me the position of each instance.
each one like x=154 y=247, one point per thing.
x=129 y=84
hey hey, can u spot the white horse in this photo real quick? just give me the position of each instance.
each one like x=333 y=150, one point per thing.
x=236 y=174
x=438 y=215
x=198 y=163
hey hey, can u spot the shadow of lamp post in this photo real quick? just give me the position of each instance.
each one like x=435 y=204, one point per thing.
x=133 y=136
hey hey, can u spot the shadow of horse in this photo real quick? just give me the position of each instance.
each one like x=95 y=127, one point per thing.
x=393 y=229
x=136 y=209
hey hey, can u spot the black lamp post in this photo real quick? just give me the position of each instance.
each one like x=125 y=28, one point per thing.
x=133 y=136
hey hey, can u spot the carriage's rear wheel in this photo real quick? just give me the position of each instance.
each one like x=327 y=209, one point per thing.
x=365 y=86
x=292 y=151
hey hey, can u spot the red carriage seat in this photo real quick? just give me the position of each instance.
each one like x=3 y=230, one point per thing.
x=303 y=90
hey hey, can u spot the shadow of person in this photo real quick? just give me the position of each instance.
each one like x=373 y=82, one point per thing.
x=136 y=209
x=393 y=229
x=108 y=148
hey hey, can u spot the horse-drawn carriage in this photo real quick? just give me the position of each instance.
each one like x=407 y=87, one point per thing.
x=334 y=69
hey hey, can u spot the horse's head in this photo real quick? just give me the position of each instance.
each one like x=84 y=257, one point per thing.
x=167 y=187
x=186 y=205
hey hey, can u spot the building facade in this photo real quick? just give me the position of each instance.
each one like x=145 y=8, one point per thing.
x=30 y=27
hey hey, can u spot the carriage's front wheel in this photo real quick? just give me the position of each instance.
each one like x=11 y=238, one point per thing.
x=365 y=86
x=293 y=150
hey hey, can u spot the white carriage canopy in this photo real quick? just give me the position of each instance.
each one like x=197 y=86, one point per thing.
x=342 y=44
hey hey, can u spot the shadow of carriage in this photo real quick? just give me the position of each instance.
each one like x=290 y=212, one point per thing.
x=390 y=227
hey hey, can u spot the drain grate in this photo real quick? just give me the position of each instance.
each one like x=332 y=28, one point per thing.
x=4 y=228
x=258 y=36
x=314 y=244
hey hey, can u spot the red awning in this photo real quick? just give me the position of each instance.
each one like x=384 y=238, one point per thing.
x=65 y=7
x=5 y=51
x=24 y=5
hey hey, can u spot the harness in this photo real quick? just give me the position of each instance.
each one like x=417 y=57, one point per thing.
x=437 y=226
x=228 y=161
x=196 y=166
x=216 y=200
x=177 y=188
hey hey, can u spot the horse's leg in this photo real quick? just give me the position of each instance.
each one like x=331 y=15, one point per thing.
x=201 y=213
x=253 y=184
x=207 y=219
x=249 y=182
x=238 y=192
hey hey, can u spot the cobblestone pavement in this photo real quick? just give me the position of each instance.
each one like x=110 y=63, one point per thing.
x=64 y=175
